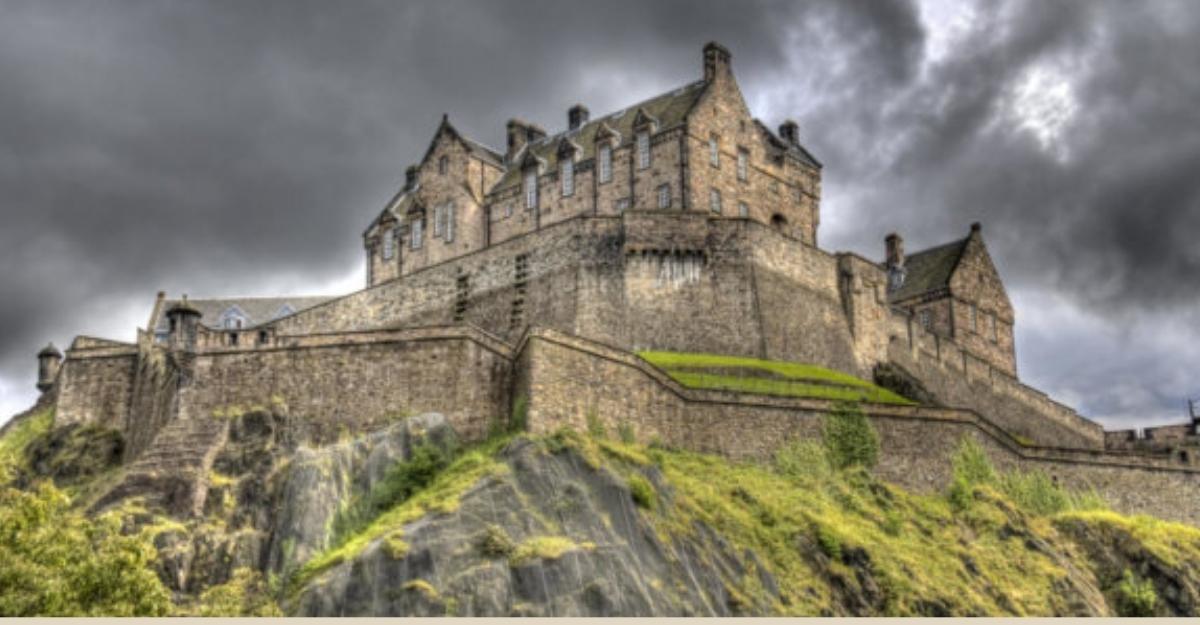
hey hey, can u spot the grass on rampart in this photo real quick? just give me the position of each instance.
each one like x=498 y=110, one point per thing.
x=767 y=377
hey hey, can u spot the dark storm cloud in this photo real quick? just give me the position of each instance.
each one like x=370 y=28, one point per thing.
x=240 y=147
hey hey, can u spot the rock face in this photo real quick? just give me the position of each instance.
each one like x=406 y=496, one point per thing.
x=506 y=552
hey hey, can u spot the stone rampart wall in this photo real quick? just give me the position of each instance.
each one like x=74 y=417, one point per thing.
x=357 y=382
x=96 y=383
x=964 y=380
x=570 y=379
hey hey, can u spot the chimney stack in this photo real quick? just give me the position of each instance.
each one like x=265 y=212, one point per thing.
x=520 y=133
x=895 y=250
x=577 y=116
x=789 y=131
x=976 y=228
x=410 y=177
x=895 y=261
x=716 y=60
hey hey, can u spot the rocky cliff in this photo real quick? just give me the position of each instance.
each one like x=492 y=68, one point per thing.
x=406 y=520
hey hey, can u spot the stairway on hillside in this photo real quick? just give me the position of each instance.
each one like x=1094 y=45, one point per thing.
x=172 y=474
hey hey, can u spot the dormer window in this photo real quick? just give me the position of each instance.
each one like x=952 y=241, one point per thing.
x=604 y=154
x=567 y=175
x=714 y=152
x=389 y=244
x=418 y=233
x=743 y=164
x=233 y=318
x=643 y=149
x=531 y=191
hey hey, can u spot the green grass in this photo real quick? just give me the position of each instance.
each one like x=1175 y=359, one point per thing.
x=18 y=437
x=791 y=379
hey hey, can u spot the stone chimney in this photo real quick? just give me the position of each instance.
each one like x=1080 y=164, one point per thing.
x=410 y=178
x=49 y=361
x=976 y=229
x=577 y=116
x=895 y=261
x=789 y=131
x=716 y=60
x=521 y=133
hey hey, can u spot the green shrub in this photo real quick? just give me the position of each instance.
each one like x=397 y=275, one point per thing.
x=803 y=460
x=595 y=427
x=397 y=485
x=970 y=467
x=1035 y=492
x=849 y=438
x=1135 y=597
x=57 y=562
x=245 y=594
x=828 y=541
x=625 y=432
x=520 y=414
x=496 y=542
x=642 y=492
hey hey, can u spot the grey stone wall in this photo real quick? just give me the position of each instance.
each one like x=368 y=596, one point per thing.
x=570 y=379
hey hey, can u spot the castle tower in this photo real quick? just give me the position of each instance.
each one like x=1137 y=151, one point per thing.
x=184 y=320
x=49 y=362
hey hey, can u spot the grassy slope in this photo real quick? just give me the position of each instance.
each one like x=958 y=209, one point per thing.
x=798 y=380
x=820 y=532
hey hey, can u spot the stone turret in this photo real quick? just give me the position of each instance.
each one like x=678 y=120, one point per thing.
x=49 y=362
x=184 y=320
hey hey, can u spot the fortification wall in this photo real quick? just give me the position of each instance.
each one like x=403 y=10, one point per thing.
x=96 y=383
x=359 y=381
x=570 y=378
x=157 y=380
x=963 y=380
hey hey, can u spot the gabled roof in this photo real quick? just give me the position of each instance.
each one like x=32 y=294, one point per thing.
x=797 y=150
x=474 y=147
x=667 y=109
x=929 y=270
x=255 y=310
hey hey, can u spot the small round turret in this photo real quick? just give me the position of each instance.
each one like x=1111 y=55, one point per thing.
x=183 y=319
x=49 y=362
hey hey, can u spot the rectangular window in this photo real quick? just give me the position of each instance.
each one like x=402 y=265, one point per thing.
x=508 y=210
x=418 y=232
x=714 y=152
x=449 y=223
x=605 y=163
x=775 y=187
x=743 y=209
x=743 y=164
x=389 y=244
x=531 y=195
x=568 y=177
x=643 y=150
x=622 y=205
x=974 y=319
x=714 y=201
x=926 y=319
x=439 y=221
x=664 y=196
x=442 y=165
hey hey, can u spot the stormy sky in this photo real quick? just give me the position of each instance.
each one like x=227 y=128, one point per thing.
x=231 y=148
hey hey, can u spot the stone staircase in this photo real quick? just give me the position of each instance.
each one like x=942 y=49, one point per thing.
x=172 y=474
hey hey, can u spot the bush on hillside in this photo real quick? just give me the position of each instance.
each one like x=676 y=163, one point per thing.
x=849 y=438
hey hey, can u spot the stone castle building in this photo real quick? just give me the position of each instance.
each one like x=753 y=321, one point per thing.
x=533 y=275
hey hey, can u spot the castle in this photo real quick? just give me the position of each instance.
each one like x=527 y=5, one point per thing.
x=532 y=276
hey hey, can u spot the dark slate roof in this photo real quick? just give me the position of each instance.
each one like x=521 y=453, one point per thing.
x=483 y=152
x=256 y=310
x=929 y=270
x=669 y=109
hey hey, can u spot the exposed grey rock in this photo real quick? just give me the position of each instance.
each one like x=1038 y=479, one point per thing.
x=618 y=568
